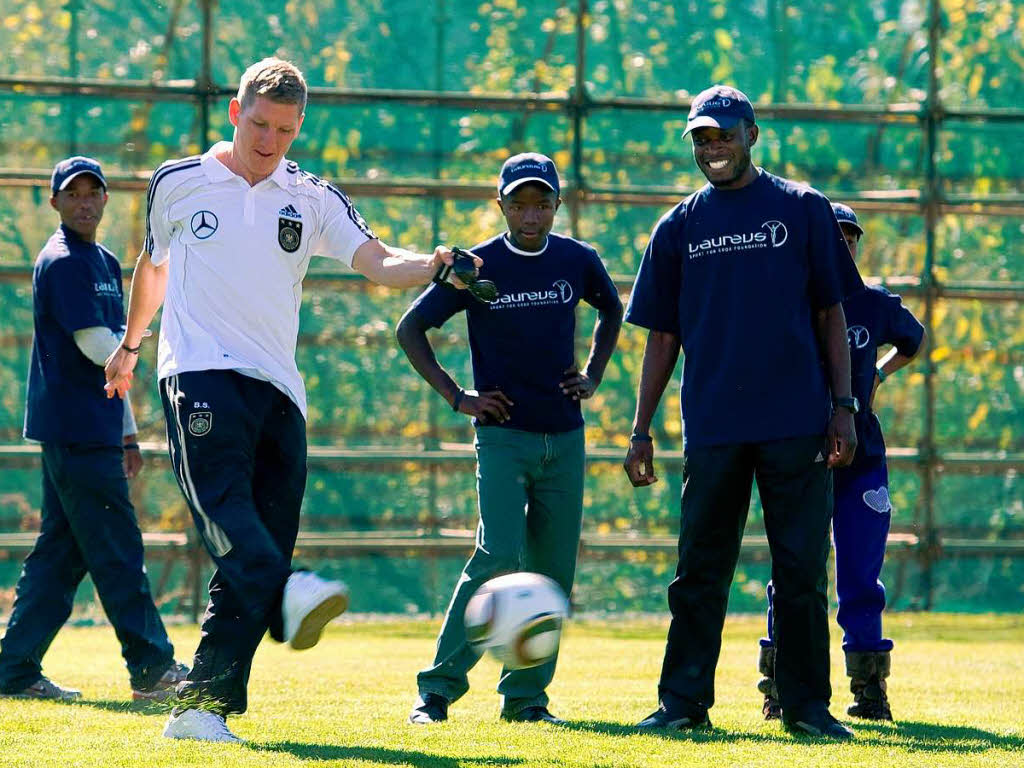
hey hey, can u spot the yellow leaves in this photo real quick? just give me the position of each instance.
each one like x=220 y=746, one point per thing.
x=723 y=39
x=940 y=353
x=975 y=81
x=12 y=21
x=978 y=416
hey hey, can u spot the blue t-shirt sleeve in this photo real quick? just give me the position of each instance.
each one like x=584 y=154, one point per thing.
x=654 y=302
x=833 y=274
x=903 y=330
x=438 y=303
x=69 y=291
x=598 y=289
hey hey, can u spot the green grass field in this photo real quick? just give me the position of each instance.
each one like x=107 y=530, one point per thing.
x=957 y=691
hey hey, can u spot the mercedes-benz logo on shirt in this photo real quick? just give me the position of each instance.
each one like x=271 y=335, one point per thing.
x=204 y=224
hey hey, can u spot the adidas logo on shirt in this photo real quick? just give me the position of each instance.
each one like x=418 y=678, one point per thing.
x=289 y=212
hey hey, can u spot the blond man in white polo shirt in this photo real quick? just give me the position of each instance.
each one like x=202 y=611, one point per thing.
x=229 y=238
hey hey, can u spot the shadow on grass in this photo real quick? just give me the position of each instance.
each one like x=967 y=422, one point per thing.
x=120 y=705
x=924 y=737
x=374 y=754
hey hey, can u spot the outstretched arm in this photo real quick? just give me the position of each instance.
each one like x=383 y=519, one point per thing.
x=397 y=267
x=149 y=284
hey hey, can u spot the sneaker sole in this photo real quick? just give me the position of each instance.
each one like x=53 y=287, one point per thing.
x=806 y=729
x=313 y=623
x=30 y=697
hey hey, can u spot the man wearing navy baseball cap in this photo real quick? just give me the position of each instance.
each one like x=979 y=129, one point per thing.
x=528 y=166
x=89 y=449
x=862 y=508
x=70 y=169
x=741 y=275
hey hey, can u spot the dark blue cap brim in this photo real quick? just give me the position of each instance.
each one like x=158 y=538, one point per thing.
x=854 y=224
x=76 y=174
x=519 y=182
x=707 y=121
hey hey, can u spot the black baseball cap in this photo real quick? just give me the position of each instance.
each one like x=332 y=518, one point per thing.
x=718 y=107
x=846 y=216
x=68 y=169
x=528 y=166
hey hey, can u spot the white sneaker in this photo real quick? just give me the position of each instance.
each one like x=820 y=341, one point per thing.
x=309 y=603
x=201 y=725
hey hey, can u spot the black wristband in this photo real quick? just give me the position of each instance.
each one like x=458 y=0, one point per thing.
x=638 y=438
x=131 y=446
x=457 y=400
x=132 y=350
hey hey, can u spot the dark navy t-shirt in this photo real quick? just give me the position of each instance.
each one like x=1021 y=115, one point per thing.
x=739 y=275
x=875 y=318
x=523 y=342
x=75 y=285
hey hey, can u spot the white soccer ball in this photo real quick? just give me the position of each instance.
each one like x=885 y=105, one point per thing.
x=518 y=618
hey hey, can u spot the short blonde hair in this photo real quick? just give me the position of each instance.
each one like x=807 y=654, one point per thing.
x=276 y=79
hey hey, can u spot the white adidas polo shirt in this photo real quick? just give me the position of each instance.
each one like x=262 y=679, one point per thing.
x=237 y=257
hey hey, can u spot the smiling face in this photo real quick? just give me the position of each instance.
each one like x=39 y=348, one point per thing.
x=529 y=212
x=264 y=132
x=80 y=205
x=723 y=154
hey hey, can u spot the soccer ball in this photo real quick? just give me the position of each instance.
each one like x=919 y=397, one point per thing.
x=518 y=618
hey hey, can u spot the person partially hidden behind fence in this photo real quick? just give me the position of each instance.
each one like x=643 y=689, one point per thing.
x=89 y=450
x=229 y=236
x=862 y=510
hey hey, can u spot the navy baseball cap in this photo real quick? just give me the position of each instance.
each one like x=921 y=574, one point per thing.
x=718 y=107
x=846 y=216
x=68 y=169
x=528 y=166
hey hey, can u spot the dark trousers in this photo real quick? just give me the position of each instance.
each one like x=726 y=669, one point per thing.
x=860 y=529
x=88 y=526
x=238 y=451
x=795 y=489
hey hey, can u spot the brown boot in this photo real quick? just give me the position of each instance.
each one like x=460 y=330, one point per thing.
x=771 y=709
x=868 y=671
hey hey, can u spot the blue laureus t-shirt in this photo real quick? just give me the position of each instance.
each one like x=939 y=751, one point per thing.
x=75 y=285
x=739 y=275
x=875 y=318
x=523 y=342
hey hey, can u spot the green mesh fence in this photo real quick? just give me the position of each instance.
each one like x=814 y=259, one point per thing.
x=910 y=109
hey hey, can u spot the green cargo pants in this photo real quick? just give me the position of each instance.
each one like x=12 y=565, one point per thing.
x=530 y=492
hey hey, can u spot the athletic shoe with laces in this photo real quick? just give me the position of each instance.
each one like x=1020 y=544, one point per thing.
x=309 y=603
x=532 y=714
x=200 y=725
x=429 y=708
x=772 y=708
x=45 y=689
x=817 y=721
x=163 y=689
x=662 y=719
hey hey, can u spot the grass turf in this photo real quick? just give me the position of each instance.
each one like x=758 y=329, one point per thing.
x=957 y=692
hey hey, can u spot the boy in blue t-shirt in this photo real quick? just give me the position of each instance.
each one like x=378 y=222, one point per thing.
x=862 y=512
x=526 y=409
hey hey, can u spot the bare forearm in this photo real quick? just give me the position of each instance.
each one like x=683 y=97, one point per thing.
x=412 y=338
x=837 y=351
x=149 y=284
x=393 y=267
x=606 y=335
x=894 y=360
x=660 y=356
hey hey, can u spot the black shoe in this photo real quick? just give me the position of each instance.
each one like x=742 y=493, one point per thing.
x=534 y=714
x=772 y=708
x=429 y=708
x=661 y=718
x=870 y=709
x=817 y=721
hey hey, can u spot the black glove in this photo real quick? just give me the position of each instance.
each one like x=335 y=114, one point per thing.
x=464 y=268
